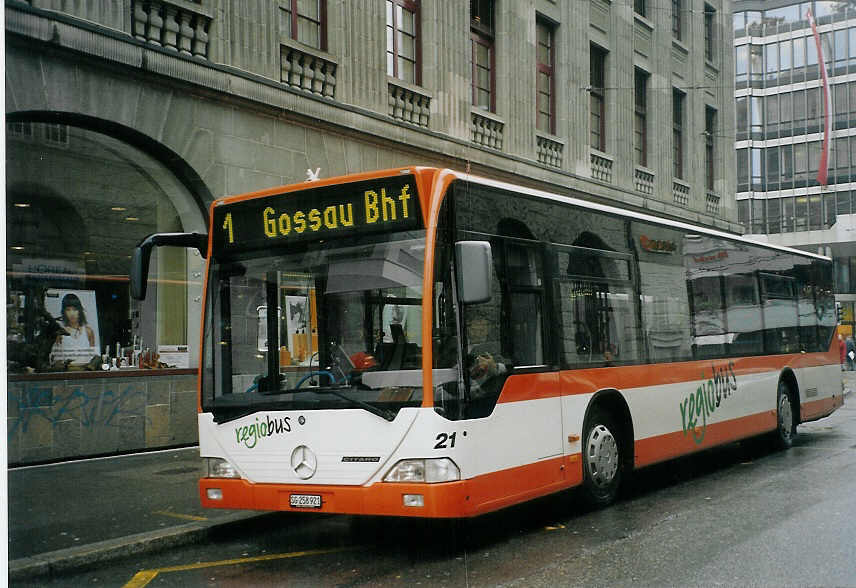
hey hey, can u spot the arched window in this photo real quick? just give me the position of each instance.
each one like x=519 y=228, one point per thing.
x=77 y=203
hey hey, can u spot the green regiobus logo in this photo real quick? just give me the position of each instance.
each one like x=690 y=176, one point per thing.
x=250 y=435
x=707 y=398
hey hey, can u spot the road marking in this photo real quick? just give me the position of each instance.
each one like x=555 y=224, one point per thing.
x=143 y=577
x=177 y=515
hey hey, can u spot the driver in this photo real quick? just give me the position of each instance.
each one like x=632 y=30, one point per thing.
x=485 y=373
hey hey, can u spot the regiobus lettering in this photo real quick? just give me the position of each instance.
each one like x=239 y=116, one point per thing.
x=706 y=399
x=421 y=342
x=249 y=435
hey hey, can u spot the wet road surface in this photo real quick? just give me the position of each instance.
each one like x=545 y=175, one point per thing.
x=740 y=515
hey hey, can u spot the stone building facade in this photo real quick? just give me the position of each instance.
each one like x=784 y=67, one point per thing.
x=129 y=117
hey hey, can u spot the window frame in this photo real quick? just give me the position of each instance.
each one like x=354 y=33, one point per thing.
x=412 y=6
x=296 y=16
x=640 y=116
x=597 y=97
x=547 y=69
x=709 y=33
x=677 y=19
x=484 y=35
x=678 y=128
x=710 y=120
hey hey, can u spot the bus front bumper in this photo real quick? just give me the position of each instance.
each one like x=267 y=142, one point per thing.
x=442 y=500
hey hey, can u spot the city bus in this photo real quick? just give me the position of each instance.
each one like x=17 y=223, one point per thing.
x=422 y=342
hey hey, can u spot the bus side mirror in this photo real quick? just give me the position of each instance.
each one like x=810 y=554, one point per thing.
x=139 y=274
x=140 y=270
x=473 y=262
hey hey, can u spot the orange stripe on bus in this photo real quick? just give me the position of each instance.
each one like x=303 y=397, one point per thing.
x=586 y=381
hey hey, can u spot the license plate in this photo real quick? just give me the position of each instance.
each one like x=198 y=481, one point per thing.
x=305 y=500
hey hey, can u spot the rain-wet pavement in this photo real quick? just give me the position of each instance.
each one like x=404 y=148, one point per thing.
x=63 y=515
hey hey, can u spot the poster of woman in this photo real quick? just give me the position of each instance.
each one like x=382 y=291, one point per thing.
x=77 y=313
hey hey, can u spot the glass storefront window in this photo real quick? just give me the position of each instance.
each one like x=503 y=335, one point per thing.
x=739 y=24
x=787 y=215
x=774 y=216
x=743 y=214
x=842 y=202
x=741 y=63
x=753 y=23
x=742 y=109
x=77 y=203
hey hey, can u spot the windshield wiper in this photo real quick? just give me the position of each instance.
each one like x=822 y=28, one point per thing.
x=384 y=414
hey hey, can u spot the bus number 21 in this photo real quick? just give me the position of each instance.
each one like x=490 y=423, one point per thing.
x=445 y=440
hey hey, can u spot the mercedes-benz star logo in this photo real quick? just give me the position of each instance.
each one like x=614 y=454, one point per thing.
x=303 y=462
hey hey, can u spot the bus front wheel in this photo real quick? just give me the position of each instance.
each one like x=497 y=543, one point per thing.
x=602 y=463
x=786 y=422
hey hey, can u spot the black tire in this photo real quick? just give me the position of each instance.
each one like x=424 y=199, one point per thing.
x=786 y=417
x=603 y=465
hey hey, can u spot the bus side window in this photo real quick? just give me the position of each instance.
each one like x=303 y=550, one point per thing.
x=596 y=307
x=523 y=329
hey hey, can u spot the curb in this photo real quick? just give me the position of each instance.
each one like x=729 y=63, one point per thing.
x=84 y=556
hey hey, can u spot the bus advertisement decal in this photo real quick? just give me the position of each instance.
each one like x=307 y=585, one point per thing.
x=706 y=399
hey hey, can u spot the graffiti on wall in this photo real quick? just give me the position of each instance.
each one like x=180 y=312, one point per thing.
x=92 y=409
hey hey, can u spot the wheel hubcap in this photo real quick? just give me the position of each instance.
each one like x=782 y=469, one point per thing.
x=602 y=454
x=786 y=417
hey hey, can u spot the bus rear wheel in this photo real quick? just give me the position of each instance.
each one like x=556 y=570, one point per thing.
x=602 y=463
x=786 y=422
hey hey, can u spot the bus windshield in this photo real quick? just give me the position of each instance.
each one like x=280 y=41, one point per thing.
x=333 y=325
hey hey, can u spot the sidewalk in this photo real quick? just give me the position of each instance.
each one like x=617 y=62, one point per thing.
x=66 y=515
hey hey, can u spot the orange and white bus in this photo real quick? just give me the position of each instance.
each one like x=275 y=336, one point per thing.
x=421 y=342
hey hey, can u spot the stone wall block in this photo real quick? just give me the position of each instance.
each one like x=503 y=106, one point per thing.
x=316 y=154
x=132 y=433
x=184 y=425
x=13 y=440
x=25 y=82
x=67 y=438
x=105 y=97
x=199 y=152
x=235 y=151
x=154 y=107
x=36 y=428
x=14 y=393
x=158 y=392
x=249 y=125
x=97 y=437
x=71 y=402
x=239 y=180
x=157 y=425
x=289 y=136
x=274 y=161
x=63 y=91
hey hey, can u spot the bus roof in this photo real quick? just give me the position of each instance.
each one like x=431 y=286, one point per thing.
x=423 y=173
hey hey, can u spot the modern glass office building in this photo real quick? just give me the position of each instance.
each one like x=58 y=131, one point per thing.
x=780 y=129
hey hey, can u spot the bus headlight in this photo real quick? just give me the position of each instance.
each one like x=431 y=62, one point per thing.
x=220 y=468
x=429 y=471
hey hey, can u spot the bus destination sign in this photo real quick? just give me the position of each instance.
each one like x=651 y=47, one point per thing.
x=328 y=212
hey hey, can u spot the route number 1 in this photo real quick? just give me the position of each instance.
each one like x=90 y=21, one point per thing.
x=227 y=225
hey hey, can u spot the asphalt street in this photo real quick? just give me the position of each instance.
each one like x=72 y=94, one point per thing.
x=69 y=515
